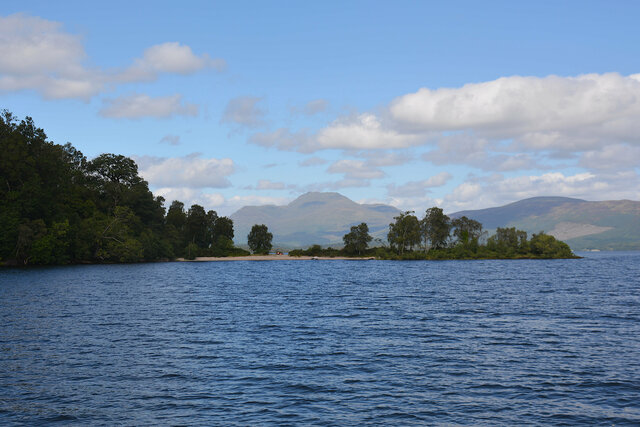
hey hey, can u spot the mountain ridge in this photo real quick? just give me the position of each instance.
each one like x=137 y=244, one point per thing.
x=323 y=218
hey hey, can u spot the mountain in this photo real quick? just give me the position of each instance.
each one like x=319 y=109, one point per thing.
x=313 y=218
x=608 y=225
x=323 y=218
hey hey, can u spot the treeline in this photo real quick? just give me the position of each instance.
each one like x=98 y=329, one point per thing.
x=57 y=207
x=438 y=237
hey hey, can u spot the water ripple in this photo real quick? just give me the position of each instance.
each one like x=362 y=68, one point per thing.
x=323 y=343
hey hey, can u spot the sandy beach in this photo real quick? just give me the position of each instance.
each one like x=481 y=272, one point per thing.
x=269 y=258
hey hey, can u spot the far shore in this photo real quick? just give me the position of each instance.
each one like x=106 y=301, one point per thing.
x=270 y=258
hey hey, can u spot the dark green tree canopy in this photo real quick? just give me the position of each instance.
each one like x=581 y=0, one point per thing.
x=357 y=240
x=404 y=233
x=466 y=230
x=435 y=228
x=56 y=207
x=259 y=239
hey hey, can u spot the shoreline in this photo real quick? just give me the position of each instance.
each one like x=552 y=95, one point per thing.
x=272 y=258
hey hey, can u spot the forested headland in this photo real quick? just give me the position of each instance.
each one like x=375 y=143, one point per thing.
x=58 y=207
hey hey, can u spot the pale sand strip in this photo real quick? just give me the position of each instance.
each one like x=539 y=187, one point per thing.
x=268 y=258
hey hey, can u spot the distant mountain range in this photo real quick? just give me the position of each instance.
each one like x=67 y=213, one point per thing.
x=323 y=218
x=608 y=225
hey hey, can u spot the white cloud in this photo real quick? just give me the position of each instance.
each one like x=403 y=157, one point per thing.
x=191 y=171
x=37 y=54
x=244 y=111
x=137 y=106
x=362 y=132
x=554 y=113
x=175 y=58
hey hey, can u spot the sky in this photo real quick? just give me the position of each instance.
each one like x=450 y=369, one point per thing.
x=458 y=104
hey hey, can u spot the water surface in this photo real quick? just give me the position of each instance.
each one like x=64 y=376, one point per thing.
x=323 y=343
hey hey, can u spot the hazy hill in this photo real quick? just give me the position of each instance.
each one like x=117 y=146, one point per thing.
x=608 y=225
x=321 y=218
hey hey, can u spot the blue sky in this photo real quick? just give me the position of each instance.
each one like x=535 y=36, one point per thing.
x=462 y=105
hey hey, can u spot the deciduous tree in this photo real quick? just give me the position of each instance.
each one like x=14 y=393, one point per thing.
x=357 y=240
x=259 y=239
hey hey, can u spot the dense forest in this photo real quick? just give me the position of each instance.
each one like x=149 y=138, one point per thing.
x=57 y=207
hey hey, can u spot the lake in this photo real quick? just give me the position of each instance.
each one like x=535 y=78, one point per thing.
x=323 y=343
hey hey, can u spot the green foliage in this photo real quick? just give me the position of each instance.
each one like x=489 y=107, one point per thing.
x=191 y=251
x=58 y=208
x=435 y=228
x=259 y=239
x=404 y=233
x=357 y=240
x=546 y=246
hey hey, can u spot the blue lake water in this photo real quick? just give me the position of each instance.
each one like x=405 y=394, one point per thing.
x=323 y=343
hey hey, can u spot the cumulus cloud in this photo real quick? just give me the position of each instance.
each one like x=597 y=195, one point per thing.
x=551 y=112
x=37 y=54
x=136 y=106
x=504 y=125
x=418 y=188
x=191 y=171
x=169 y=57
x=244 y=111
x=362 y=132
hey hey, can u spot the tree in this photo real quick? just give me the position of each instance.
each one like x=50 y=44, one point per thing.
x=546 y=246
x=196 y=226
x=259 y=239
x=113 y=175
x=405 y=232
x=466 y=230
x=223 y=227
x=508 y=241
x=357 y=240
x=434 y=229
